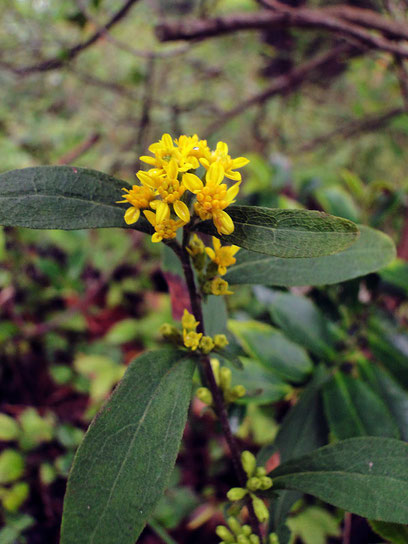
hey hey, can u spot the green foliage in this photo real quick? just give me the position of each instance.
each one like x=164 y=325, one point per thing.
x=61 y=197
x=286 y=233
x=391 y=532
x=314 y=525
x=372 y=251
x=120 y=470
x=11 y=466
x=367 y=476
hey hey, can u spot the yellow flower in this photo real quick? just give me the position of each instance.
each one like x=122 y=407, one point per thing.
x=193 y=148
x=191 y=339
x=220 y=287
x=206 y=344
x=195 y=246
x=213 y=197
x=220 y=341
x=165 y=227
x=188 y=321
x=223 y=256
x=139 y=197
x=221 y=156
x=164 y=151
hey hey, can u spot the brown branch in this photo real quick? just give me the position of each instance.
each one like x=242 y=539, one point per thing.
x=354 y=128
x=284 y=84
x=80 y=149
x=57 y=62
x=285 y=16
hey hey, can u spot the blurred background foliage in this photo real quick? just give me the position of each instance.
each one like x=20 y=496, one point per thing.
x=77 y=306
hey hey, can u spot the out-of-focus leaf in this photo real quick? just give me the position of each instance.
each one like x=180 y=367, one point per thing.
x=125 y=460
x=314 y=525
x=372 y=251
x=396 y=273
x=272 y=349
x=11 y=466
x=353 y=409
x=336 y=201
x=391 y=532
x=286 y=233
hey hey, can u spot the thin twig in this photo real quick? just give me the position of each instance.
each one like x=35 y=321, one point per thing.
x=80 y=149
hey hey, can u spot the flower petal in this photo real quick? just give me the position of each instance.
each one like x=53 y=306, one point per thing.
x=192 y=182
x=215 y=174
x=223 y=222
x=216 y=243
x=239 y=162
x=148 y=160
x=146 y=179
x=210 y=252
x=167 y=141
x=235 y=176
x=151 y=217
x=132 y=215
x=233 y=191
x=156 y=238
x=182 y=211
x=205 y=163
x=162 y=212
x=172 y=169
x=222 y=148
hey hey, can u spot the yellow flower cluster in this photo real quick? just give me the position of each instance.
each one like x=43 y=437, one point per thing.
x=220 y=258
x=257 y=481
x=222 y=377
x=163 y=187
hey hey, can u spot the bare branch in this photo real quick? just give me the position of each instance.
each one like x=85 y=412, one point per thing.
x=57 y=62
x=80 y=149
x=284 y=84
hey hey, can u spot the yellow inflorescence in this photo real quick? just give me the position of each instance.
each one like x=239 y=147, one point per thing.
x=165 y=185
x=223 y=256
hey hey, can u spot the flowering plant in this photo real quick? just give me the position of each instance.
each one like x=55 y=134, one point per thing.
x=186 y=201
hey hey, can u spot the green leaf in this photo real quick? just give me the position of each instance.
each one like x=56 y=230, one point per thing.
x=271 y=348
x=215 y=315
x=394 y=396
x=391 y=532
x=286 y=233
x=372 y=250
x=62 y=197
x=303 y=430
x=302 y=322
x=366 y=476
x=336 y=201
x=353 y=409
x=396 y=273
x=389 y=346
x=263 y=386
x=124 y=463
x=313 y=526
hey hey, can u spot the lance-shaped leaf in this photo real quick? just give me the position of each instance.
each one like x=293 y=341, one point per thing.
x=366 y=476
x=372 y=250
x=62 y=197
x=286 y=233
x=124 y=463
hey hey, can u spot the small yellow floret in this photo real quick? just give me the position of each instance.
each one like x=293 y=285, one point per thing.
x=221 y=156
x=220 y=287
x=222 y=255
x=188 y=321
x=165 y=227
x=195 y=246
x=191 y=339
x=139 y=197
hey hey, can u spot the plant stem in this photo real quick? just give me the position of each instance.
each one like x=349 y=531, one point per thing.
x=218 y=398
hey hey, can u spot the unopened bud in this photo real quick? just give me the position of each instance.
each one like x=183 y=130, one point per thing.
x=254 y=483
x=236 y=493
x=223 y=533
x=225 y=378
x=260 y=509
x=238 y=391
x=254 y=539
x=246 y=529
x=248 y=462
x=273 y=538
x=234 y=525
x=242 y=539
x=204 y=395
x=266 y=483
x=169 y=332
x=220 y=341
x=260 y=471
x=215 y=365
x=206 y=344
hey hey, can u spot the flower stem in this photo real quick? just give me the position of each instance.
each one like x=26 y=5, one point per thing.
x=218 y=398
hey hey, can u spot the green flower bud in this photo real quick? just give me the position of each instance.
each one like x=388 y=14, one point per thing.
x=273 y=538
x=225 y=378
x=238 y=391
x=206 y=344
x=254 y=539
x=266 y=483
x=260 y=471
x=204 y=395
x=215 y=365
x=242 y=539
x=246 y=529
x=169 y=332
x=236 y=493
x=260 y=509
x=224 y=534
x=254 y=483
x=234 y=525
x=220 y=341
x=248 y=462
